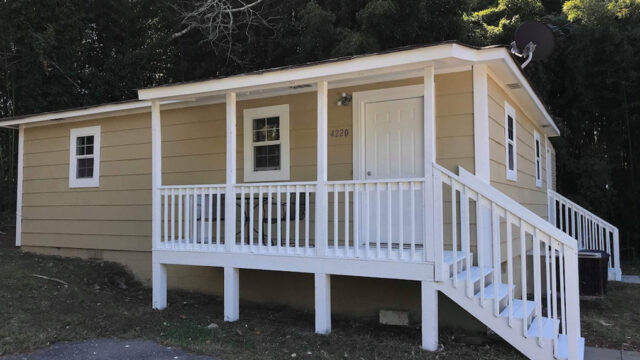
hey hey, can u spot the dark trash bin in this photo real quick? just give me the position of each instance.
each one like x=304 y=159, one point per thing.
x=593 y=269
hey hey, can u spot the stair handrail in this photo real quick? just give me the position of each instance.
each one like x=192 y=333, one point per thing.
x=542 y=229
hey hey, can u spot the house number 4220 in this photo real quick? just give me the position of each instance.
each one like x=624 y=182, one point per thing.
x=340 y=133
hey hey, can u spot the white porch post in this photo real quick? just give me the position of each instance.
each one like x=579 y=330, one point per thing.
x=159 y=286
x=230 y=197
x=481 y=122
x=322 y=284
x=231 y=293
x=159 y=271
x=433 y=251
x=429 y=316
x=19 y=186
x=321 y=188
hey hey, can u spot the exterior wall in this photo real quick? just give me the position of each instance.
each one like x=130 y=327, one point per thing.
x=113 y=222
x=524 y=190
x=116 y=215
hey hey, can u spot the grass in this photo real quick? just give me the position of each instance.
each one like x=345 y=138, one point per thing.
x=102 y=300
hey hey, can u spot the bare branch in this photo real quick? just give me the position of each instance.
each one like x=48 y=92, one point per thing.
x=219 y=20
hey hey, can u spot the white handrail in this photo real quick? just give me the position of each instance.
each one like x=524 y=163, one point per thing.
x=590 y=231
x=553 y=254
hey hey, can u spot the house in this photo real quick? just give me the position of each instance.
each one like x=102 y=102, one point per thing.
x=349 y=185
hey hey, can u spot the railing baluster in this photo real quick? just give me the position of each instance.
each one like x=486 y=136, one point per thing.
x=279 y=217
x=465 y=238
x=335 y=220
x=288 y=219
x=165 y=198
x=173 y=218
x=269 y=218
x=523 y=275
x=367 y=212
x=537 y=296
x=306 y=219
x=454 y=234
x=413 y=221
x=509 y=235
x=400 y=222
x=297 y=210
x=547 y=261
x=346 y=220
x=180 y=220
x=210 y=224
x=260 y=222
x=356 y=218
x=497 y=270
x=187 y=218
x=389 y=221
x=563 y=304
x=242 y=219
x=554 y=296
x=378 y=206
x=194 y=220
x=218 y=216
x=480 y=244
x=202 y=217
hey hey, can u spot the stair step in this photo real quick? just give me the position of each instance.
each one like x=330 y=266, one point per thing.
x=448 y=256
x=563 y=348
x=475 y=274
x=548 y=328
x=517 y=309
x=503 y=291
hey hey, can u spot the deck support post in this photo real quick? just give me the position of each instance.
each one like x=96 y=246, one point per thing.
x=321 y=241
x=231 y=294
x=230 y=202
x=159 y=274
x=429 y=316
x=156 y=173
x=432 y=240
x=323 y=303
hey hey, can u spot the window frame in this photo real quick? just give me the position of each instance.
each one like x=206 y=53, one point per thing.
x=74 y=181
x=509 y=111
x=537 y=155
x=250 y=174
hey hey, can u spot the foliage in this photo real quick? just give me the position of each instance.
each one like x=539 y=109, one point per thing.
x=62 y=54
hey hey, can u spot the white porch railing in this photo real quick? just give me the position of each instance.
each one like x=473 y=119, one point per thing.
x=513 y=247
x=380 y=220
x=591 y=232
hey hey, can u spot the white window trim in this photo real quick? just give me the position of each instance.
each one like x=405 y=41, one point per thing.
x=537 y=158
x=250 y=175
x=510 y=111
x=74 y=182
x=547 y=159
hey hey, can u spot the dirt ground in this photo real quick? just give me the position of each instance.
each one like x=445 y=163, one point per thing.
x=102 y=300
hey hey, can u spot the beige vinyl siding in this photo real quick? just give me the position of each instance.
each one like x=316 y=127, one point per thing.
x=524 y=190
x=553 y=169
x=116 y=215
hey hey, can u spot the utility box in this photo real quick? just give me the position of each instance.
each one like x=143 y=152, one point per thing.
x=593 y=269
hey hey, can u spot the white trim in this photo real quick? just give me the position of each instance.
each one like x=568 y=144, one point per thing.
x=481 y=122
x=360 y=99
x=156 y=172
x=230 y=207
x=19 y=185
x=74 y=181
x=322 y=202
x=431 y=222
x=281 y=111
x=537 y=156
x=509 y=111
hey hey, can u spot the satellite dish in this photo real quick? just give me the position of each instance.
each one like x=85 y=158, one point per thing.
x=534 y=41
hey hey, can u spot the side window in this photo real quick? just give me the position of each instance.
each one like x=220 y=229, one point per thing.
x=538 y=158
x=266 y=143
x=510 y=142
x=84 y=157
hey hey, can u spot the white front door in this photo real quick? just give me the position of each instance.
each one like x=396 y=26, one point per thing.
x=394 y=149
x=394 y=139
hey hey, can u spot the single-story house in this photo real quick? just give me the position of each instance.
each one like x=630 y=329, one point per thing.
x=419 y=179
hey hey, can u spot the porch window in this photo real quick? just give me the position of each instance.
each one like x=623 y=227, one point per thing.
x=510 y=135
x=84 y=157
x=266 y=143
x=538 y=162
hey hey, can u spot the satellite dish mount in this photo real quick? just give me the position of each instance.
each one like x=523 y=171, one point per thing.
x=534 y=41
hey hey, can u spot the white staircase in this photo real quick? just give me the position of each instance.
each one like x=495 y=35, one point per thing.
x=533 y=305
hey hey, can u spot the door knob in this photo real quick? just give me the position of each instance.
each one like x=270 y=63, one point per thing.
x=368 y=173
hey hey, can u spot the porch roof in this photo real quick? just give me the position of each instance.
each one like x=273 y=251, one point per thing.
x=401 y=62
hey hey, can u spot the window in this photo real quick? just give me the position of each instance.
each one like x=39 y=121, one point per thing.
x=84 y=157
x=538 y=162
x=266 y=143
x=510 y=135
